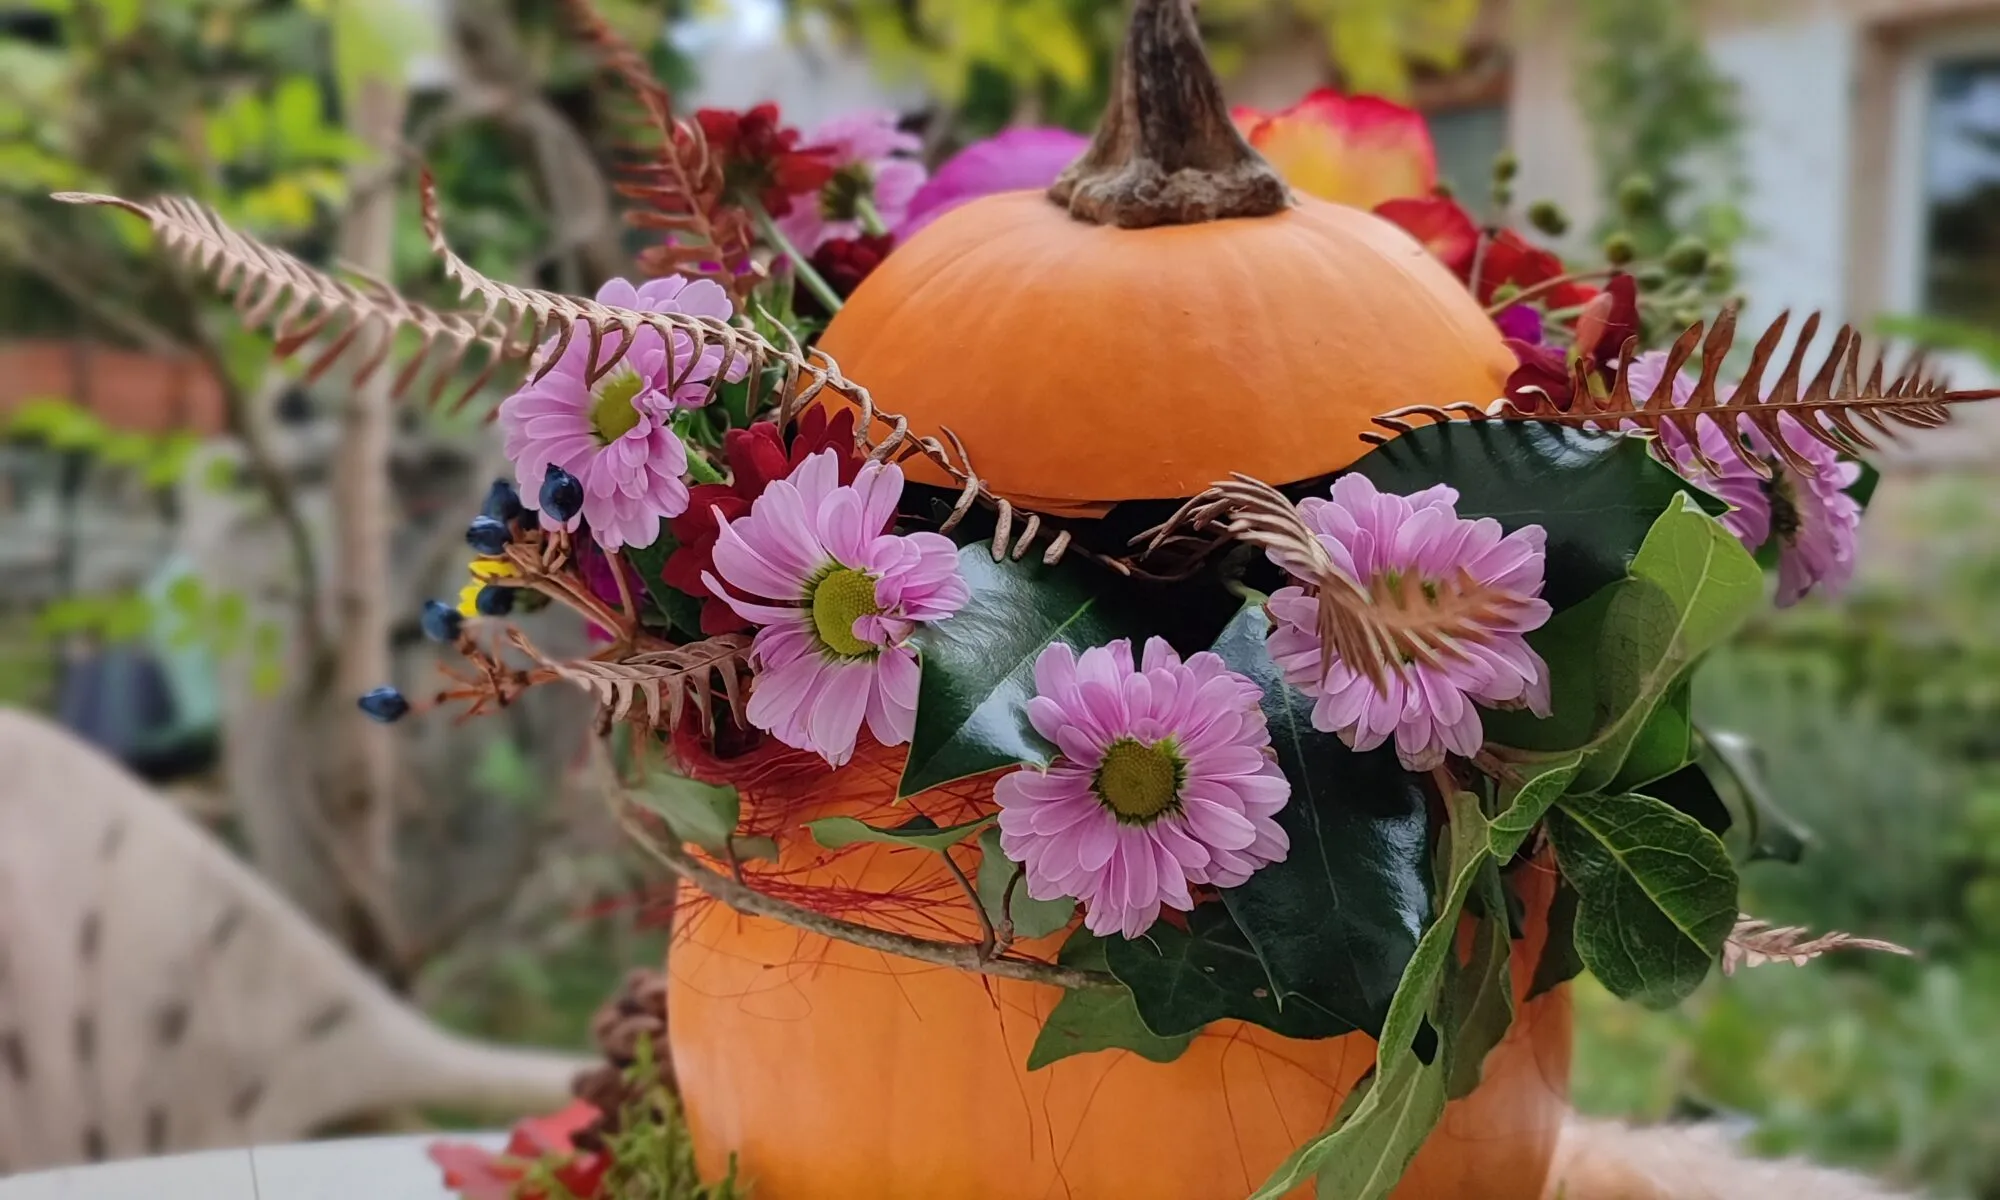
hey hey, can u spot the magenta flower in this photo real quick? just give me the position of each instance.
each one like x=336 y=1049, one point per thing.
x=1009 y=161
x=837 y=597
x=1382 y=541
x=1165 y=779
x=614 y=435
x=872 y=184
x=1814 y=519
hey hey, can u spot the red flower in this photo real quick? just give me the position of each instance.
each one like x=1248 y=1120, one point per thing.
x=478 y=1174
x=1607 y=322
x=761 y=156
x=1358 y=150
x=845 y=262
x=1509 y=258
x=1445 y=229
x=756 y=456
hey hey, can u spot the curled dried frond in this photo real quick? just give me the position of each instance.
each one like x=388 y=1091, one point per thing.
x=673 y=174
x=1836 y=406
x=666 y=681
x=299 y=305
x=1374 y=630
x=1753 y=943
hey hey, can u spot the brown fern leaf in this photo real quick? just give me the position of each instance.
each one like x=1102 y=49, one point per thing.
x=1373 y=630
x=1835 y=406
x=666 y=681
x=1753 y=943
x=673 y=173
x=300 y=305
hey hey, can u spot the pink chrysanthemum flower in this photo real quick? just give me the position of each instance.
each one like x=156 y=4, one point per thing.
x=837 y=599
x=872 y=186
x=1165 y=779
x=1810 y=513
x=614 y=435
x=1382 y=542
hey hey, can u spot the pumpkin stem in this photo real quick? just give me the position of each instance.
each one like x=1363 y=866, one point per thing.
x=1166 y=152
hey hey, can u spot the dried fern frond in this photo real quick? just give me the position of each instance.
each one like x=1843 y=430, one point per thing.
x=673 y=174
x=1374 y=630
x=296 y=304
x=1753 y=943
x=667 y=681
x=1836 y=406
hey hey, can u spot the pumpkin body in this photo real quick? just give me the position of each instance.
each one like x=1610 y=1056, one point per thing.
x=1082 y=364
x=833 y=1072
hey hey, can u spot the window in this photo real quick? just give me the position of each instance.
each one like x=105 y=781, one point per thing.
x=1959 y=208
x=1468 y=139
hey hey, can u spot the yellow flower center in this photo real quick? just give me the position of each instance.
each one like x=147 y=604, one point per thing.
x=1785 y=518
x=613 y=415
x=838 y=599
x=1138 y=782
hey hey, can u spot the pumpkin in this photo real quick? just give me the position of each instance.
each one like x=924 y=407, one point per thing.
x=1168 y=313
x=1174 y=314
x=833 y=1072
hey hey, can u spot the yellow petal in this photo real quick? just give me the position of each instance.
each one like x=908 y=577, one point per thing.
x=1355 y=150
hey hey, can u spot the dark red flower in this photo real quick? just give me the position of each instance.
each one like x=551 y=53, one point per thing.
x=760 y=155
x=1510 y=258
x=845 y=262
x=756 y=456
x=1445 y=228
x=479 y=1174
x=1608 y=321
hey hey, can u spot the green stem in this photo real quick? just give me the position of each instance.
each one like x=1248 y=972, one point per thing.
x=871 y=219
x=814 y=281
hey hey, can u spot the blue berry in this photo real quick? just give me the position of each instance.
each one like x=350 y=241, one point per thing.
x=488 y=535
x=441 y=622
x=562 y=495
x=384 y=704
x=503 y=502
x=494 y=601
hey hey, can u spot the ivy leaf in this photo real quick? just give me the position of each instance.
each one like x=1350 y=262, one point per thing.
x=1523 y=805
x=836 y=833
x=1032 y=918
x=1656 y=894
x=1334 y=923
x=702 y=813
x=1597 y=494
x=1094 y=1019
x=1181 y=979
x=979 y=667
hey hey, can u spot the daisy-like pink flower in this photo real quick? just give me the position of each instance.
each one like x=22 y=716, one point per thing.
x=873 y=181
x=1165 y=779
x=615 y=435
x=836 y=597
x=1810 y=513
x=1395 y=547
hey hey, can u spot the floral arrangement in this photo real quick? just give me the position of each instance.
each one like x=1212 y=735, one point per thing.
x=1273 y=754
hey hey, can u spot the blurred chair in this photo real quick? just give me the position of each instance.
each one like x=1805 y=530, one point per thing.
x=157 y=995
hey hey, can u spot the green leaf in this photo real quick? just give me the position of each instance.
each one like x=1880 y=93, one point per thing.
x=1758 y=825
x=1479 y=998
x=1334 y=923
x=979 y=667
x=1093 y=1019
x=1656 y=894
x=670 y=607
x=1597 y=494
x=1523 y=805
x=1666 y=742
x=702 y=813
x=1181 y=979
x=1573 y=646
x=837 y=832
x=1032 y=918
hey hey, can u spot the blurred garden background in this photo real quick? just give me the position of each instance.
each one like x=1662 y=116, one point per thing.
x=202 y=561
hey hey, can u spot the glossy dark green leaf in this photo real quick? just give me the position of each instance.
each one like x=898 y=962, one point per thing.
x=1032 y=918
x=1336 y=921
x=1181 y=979
x=1597 y=494
x=1098 y=1018
x=1559 y=962
x=1656 y=894
x=979 y=667
x=667 y=607
x=1691 y=791
x=1760 y=828
x=837 y=832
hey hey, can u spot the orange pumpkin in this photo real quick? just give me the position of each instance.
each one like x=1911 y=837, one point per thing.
x=1168 y=314
x=833 y=1072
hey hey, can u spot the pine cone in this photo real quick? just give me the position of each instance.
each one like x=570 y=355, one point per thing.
x=638 y=1011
